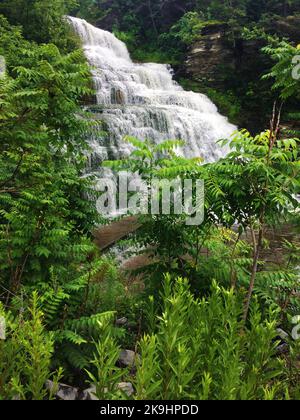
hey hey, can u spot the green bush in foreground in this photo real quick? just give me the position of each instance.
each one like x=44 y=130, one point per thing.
x=201 y=350
x=26 y=355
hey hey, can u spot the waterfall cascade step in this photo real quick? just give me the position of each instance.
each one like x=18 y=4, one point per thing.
x=144 y=101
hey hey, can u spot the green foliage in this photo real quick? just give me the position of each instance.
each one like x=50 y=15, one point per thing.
x=43 y=204
x=280 y=285
x=46 y=216
x=73 y=308
x=254 y=185
x=200 y=351
x=160 y=162
x=286 y=71
x=76 y=343
x=88 y=9
x=260 y=175
x=106 y=356
x=148 y=381
x=188 y=28
x=41 y=21
x=293 y=128
x=26 y=355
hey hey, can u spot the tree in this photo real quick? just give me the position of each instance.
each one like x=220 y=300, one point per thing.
x=286 y=71
x=286 y=76
x=45 y=215
x=257 y=182
x=41 y=20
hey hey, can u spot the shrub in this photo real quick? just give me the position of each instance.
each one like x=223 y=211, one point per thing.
x=202 y=351
x=26 y=355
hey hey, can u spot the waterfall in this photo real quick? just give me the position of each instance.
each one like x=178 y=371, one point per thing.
x=143 y=100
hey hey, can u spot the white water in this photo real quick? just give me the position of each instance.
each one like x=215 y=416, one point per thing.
x=144 y=101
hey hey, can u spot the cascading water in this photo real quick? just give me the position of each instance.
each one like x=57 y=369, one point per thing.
x=143 y=100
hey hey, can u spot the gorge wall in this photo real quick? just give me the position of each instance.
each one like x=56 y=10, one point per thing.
x=235 y=69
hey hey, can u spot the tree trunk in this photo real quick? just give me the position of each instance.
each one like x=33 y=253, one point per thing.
x=253 y=274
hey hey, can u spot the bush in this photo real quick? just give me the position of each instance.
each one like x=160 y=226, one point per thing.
x=202 y=350
x=26 y=355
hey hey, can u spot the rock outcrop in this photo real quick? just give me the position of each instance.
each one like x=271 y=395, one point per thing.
x=208 y=53
x=214 y=54
x=288 y=27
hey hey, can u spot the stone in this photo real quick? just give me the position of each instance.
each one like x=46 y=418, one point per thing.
x=121 y=322
x=288 y=27
x=128 y=358
x=283 y=346
x=65 y=392
x=117 y=97
x=282 y=349
x=89 y=394
x=126 y=387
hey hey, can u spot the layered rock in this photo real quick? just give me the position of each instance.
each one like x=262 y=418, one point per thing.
x=215 y=54
x=208 y=53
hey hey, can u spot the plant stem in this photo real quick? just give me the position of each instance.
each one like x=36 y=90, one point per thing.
x=253 y=273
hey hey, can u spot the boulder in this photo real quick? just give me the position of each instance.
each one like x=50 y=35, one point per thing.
x=121 y=322
x=126 y=387
x=89 y=394
x=64 y=392
x=128 y=358
x=282 y=349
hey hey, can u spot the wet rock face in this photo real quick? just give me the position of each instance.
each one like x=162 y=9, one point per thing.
x=213 y=55
x=117 y=97
x=209 y=53
x=230 y=67
x=288 y=27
